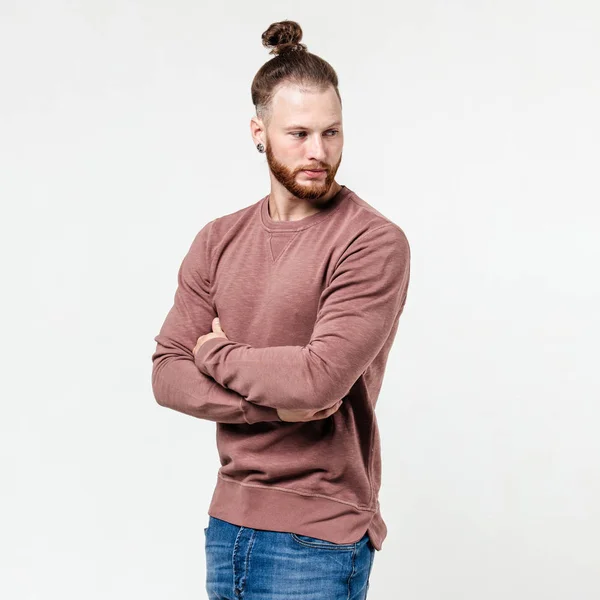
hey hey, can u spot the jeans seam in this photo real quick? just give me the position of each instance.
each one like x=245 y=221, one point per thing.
x=353 y=570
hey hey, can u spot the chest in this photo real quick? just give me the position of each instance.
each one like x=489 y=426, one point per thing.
x=267 y=290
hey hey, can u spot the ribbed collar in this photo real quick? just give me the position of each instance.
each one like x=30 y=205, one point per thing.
x=326 y=211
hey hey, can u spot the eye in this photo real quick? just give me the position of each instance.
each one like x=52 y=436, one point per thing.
x=300 y=133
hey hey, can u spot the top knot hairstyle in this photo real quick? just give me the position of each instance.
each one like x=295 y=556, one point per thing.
x=292 y=63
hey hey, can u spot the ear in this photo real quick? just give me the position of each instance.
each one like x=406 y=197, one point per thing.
x=257 y=130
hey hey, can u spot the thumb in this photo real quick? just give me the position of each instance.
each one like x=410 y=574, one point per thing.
x=217 y=325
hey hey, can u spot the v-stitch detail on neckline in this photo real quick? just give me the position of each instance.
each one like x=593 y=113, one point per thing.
x=273 y=234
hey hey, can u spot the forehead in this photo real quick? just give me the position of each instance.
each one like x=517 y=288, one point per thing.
x=310 y=106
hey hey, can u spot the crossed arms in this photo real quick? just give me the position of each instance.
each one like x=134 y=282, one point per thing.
x=231 y=382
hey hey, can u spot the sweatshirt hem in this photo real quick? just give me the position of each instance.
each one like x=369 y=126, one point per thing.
x=274 y=509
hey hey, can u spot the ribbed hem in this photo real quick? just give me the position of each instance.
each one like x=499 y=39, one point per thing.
x=260 y=507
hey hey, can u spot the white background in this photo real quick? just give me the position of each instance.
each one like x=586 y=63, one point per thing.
x=124 y=128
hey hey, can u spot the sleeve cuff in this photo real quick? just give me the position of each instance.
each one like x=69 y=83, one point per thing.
x=200 y=355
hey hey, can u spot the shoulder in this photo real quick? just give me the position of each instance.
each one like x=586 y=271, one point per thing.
x=225 y=226
x=368 y=225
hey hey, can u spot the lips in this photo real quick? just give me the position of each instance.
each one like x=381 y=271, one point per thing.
x=314 y=174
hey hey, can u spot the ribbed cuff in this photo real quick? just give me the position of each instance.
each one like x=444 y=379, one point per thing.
x=200 y=355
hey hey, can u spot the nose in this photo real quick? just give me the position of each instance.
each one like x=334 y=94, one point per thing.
x=316 y=149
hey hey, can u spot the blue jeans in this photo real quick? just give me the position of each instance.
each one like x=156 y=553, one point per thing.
x=256 y=564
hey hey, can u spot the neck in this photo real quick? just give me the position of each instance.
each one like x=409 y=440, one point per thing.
x=284 y=206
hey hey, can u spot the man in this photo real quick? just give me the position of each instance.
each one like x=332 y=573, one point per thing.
x=282 y=322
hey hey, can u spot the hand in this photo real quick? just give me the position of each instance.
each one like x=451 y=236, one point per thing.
x=216 y=332
x=296 y=416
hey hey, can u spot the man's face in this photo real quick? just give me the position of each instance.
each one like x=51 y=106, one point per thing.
x=304 y=133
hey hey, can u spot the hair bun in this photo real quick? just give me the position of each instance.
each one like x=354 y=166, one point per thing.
x=282 y=37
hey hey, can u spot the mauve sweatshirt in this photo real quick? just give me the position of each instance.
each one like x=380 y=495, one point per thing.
x=310 y=308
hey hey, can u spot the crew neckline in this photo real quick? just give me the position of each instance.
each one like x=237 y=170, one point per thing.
x=332 y=205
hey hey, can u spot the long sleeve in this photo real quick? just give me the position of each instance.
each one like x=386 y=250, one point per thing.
x=177 y=382
x=358 y=310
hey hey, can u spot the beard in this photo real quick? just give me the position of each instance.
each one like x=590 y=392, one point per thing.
x=311 y=189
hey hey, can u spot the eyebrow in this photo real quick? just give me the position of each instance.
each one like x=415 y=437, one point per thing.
x=303 y=127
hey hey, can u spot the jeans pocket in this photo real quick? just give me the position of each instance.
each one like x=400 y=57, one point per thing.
x=313 y=542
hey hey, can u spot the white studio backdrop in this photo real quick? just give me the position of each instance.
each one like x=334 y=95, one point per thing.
x=124 y=128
